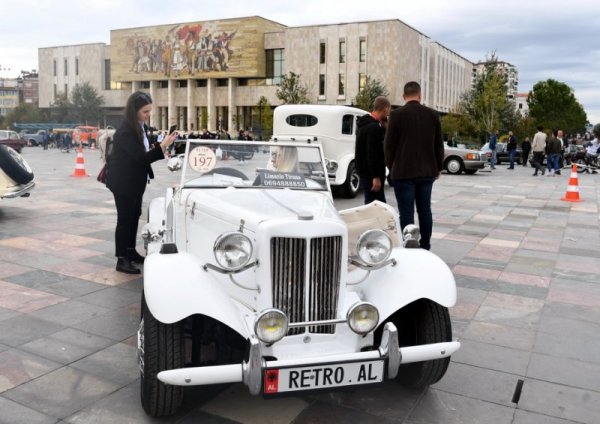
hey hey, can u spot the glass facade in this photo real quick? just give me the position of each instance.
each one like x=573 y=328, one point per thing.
x=274 y=66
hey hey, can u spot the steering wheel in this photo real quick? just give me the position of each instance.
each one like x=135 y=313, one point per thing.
x=231 y=172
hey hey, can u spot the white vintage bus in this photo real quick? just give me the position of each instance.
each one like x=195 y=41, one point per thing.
x=332 y=126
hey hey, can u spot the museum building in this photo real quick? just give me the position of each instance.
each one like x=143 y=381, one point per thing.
x=213 y=73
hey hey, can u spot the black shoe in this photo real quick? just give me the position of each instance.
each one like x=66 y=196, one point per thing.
x=535 y=175
x=543 y=171
x=134 y=256
x=125 y=265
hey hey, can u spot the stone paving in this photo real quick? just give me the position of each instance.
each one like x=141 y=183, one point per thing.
x=527 y=266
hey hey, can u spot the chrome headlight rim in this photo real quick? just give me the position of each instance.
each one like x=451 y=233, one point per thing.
x=264 y=315
x=364 y=237
x=218 y=246
x=350 y=318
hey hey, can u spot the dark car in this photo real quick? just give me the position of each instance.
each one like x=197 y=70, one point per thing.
x=12 y=139
x=501 y=153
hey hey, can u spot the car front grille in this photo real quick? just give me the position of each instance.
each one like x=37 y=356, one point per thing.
x=302 y=300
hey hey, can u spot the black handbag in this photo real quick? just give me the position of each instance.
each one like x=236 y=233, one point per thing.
x=102 y=174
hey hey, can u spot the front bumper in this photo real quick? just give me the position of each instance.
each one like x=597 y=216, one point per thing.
x=18 y=191
x=251 y=372
x=474 y=164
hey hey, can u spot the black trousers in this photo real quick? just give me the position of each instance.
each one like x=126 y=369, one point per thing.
x=129 y=210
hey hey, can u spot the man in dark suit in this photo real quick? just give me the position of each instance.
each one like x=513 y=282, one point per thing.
x=414 y=153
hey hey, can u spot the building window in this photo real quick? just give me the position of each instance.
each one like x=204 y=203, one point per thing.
x=342 y=51
x=222 y=82
x=274 y=66
x=363 y=50
x=66 y=67
x=321 y=85
x=181 y=83
x=322 y=53
x=347 y=122
x=242 y=82
x=163 y=84
x=145 y=85
x=107 y=74
x=201 y=83
x=55 y=90
x=362 y=81
x=54 y=67
x=67 y=90
x=117 y=85
x=341 y=85
x=76 y=66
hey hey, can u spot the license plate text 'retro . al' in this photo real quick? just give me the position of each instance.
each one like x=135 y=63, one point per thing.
x=280 y=380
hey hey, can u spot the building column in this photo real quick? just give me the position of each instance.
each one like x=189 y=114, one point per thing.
x=210 y=104
x=135 y=85
x=190 y=106
x=171 y=112
x=154 y=113
x=231 y=106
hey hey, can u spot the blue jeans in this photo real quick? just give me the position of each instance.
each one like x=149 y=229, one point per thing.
x=366 y=183
x=511 y=157
x=552 y=161
x=416 y=191
x=493 y=159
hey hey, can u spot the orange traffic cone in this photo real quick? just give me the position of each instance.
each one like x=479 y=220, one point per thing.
x=79 y=166
x=572 y=194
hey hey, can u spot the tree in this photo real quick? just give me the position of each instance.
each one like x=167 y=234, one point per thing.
x=553 y=105
x=25 y=112
x=456 y=124
x=87 y=103
x=263 y=129
x=62 y=109
x=291 y=90
x=373 y=88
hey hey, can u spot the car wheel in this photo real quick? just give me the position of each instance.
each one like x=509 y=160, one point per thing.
x=470 y=171
x=581 y=166
x=14 y=166
x=422 y=322
x=350 y=186
x=160 y=348
x=454 y=166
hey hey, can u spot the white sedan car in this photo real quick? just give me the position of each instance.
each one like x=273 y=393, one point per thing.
x=16 y=177
x=253 y=276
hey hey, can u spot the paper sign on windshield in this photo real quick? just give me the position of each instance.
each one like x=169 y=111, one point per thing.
x=202 y=159
x=281 y=179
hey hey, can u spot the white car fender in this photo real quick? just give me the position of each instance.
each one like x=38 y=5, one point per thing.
x=343 y=164
x=175 y=287
x=417 y=274
x=156 y=210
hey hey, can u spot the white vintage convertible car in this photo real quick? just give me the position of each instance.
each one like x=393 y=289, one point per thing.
x=252 y=276
x=16 y=177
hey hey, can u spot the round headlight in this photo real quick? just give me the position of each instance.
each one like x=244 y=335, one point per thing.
x=271 y=326
x=374 y=247
x=233 y=250
x=363 y=318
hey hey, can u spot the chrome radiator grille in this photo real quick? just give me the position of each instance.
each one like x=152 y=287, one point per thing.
x=288 y=273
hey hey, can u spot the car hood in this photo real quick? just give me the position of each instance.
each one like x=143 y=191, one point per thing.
x=258 y=205
x=459 y=150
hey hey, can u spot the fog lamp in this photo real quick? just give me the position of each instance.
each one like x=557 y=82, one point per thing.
x=271 y=326
x=363 y=317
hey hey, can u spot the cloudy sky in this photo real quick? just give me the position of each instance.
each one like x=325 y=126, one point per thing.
x=544 y=39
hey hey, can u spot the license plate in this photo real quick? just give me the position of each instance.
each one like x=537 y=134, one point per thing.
x=280 y=380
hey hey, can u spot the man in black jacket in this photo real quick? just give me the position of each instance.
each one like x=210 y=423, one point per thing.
x=368 y=154
x=414 y=153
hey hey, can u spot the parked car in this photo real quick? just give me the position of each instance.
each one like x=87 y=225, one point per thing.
x=35 y=138
x=16 y=177
x=253 y=276
x=12 y=139
x=334 y=127
x=457 y=160
x=501 y=153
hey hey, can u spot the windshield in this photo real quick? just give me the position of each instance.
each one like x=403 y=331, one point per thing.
x=218 y=163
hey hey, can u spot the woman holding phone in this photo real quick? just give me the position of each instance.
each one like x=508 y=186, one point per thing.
x=128 y=173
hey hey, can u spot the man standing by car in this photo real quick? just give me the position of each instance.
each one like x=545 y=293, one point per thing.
x=368 y=155
x=526 y=148
x=538 y=146
x=414 y=153
x=492 y=144
x=511 y=147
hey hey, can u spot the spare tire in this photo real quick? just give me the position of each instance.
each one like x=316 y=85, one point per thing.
x=14 y=166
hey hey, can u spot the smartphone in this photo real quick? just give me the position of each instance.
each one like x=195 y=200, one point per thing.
x=172 y=129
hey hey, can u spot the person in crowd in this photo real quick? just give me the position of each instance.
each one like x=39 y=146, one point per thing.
x=553 y=149
x=511 y=147
x=128 y=173
x=493 y=144
x=538 y=147
x=414 y=153
x=563 y=146
x=525 y=148
x=368 y=155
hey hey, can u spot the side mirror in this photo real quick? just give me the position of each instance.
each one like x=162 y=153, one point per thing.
x=175 y=163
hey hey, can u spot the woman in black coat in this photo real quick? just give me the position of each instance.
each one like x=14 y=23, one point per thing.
x=128 y=173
